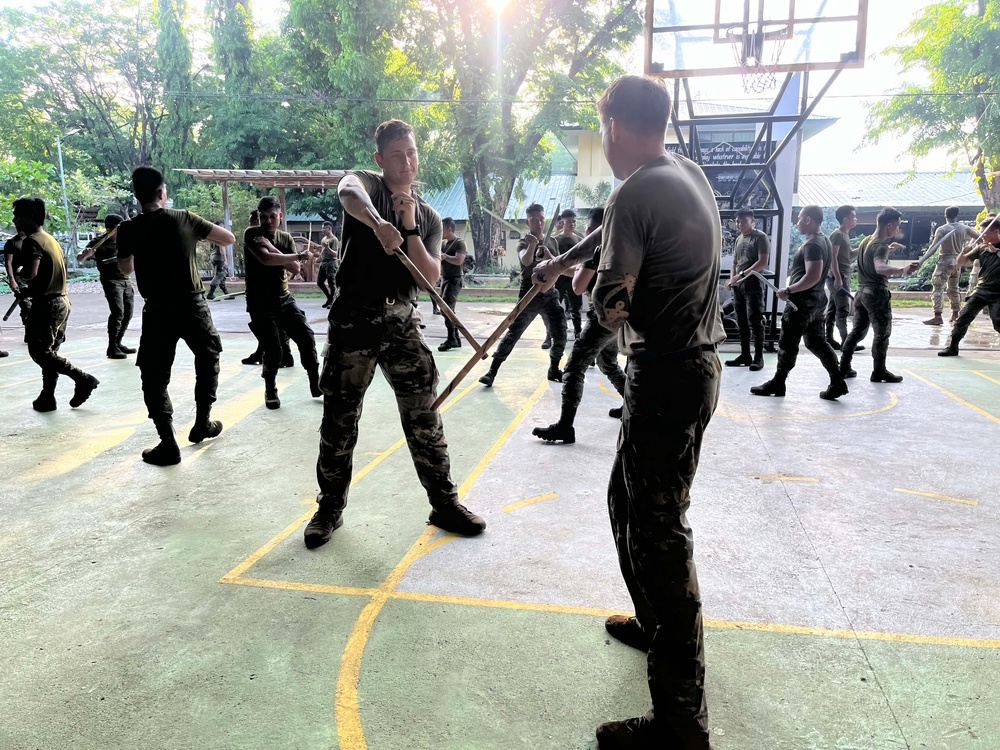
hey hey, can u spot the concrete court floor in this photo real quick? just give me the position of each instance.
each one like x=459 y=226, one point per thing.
x=846 y=553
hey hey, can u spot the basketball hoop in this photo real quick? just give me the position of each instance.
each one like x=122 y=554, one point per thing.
x=757 y=53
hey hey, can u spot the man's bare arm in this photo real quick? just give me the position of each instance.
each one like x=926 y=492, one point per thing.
x=11 y=281
x=33 y=272
x=613 y=299
x=456 y=260
x=220 y=235
x=581 y=279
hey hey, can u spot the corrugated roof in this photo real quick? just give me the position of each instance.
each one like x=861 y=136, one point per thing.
x=895 y=189
x=558 y=189
x=272 y=178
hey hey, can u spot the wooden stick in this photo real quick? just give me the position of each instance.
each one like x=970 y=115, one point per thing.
x=787 y=301
x=494 y=337
x=445 y=310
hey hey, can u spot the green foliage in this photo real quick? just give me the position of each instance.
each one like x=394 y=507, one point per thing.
x=205 y=199
x=594 y=196
x=173 y=63
x=30 y=178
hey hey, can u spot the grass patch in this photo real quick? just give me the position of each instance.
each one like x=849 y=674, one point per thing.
x=912 y=303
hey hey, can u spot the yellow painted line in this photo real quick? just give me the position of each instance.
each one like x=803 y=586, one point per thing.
x=936 y=496
x=529 y=501
x=788 y=479
x=982 y=374
x=893 y=402
x=603 y=385
x=350 y=732
x=75 y=458
x=315 y=588
x=960 y=400
x=231 y=413
x=468 y=601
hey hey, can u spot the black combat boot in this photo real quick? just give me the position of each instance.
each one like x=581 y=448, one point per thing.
x=121 y=347
x=560 y=432
x=204 y=427
x=773 y=387
x=449 y=343
x=4 y=354
x=256 y=358
x=488 y=378
x=882 y=375
x=287 y=360
x=314 y=389
x=113 y=351
x=628 y=631
x=758 y=359
x=271 y=400
x=637 y=734
x=166 y=452
x=950 y=351
x=457 y=519
x=846 y=371
x=554 y=374
x=321 y=527
x=46 y=400
x=85 y=385
x=547 y=344
x=744 y=360
x=836 y=389
x=615 y=413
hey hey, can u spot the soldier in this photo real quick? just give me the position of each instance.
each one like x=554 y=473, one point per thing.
x=220 y=267
x=838 y=283
x=595 y=341
x=806 y=279
x=873 y=307
x=751 y=254
x=117 y=287
x=452 y=268
x=326 y=277
x=987 y=291
x=45 y=329
x=267 y=254
x=160 y=245
x=567 y=238
x=16 y=264
x=257 y=357
x=947 y=271
x=373 y=323
x=530 y=251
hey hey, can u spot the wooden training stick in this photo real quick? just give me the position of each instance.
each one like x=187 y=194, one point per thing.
x=447 y=311
x=787 y=301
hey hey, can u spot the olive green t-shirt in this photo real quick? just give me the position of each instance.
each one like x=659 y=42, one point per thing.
x=662 y=233
x=163 y=244
x=872 y=249
x=452 y=247
x=816 y=247
x=841 y=243
x=50 y=281
x=331 y=249
x=748 y=249
x=265 y=283
x=106 y=257
x=527 y=270
x=989 y=270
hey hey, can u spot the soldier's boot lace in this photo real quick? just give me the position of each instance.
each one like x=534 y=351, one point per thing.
x=166 y=452
x=271 y=400
x=85 y=385
x=743 y=360
x=773 y=387
x=556 y=432
x=457 y=519
x=628 y=631
x=882 y=375
x=204 y=427
x=835 y=390
x=319 y=530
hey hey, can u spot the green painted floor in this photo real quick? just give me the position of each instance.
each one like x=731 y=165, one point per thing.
x=847 y=556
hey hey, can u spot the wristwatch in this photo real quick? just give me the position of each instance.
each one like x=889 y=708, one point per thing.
x=415 y=232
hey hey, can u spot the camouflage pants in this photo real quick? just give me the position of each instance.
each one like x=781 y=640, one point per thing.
x=838 y=309
x=806 y=323
x=219 y=280
x=668 y=405
x=23 y=305
x=163 y=325
x=748 y=299
x=975 y=304
x=360 y=339
x=547 y=305
x=945 y=279
x=44 y=332
x=595 y=341
x=270 y=322
x=326 y=280
x=872 y=308
x=450 y=289
x=571 y=301
x=121 y=302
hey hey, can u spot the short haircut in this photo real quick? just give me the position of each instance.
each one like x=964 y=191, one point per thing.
x=534 y=208
x=596 y=217
x=951 y=213
x=448 y=223
x=389 y=131
x=744 y=213
x=641 y=104
x=888 y=215
x=112 y=220
x=255 y=217
x=569 y=213
x=146 y=183
x=328 y=224
x=269 y=203
x=33 y=207
x=988 y=222
x=813 y=212
x=843 y=212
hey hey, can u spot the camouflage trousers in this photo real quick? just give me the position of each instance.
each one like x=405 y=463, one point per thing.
x=121 y=302
x=218 y=281
x=23 y=304
x=668 y=405
x=748 y=299
x=571 y=301
x=274 y=323
x=945 y=280
x=547 y=305
x=975 y=304
x=44 y=332
x=838 y=309
x=807 y=323
x=326 y=277
x=164 y=323
x=387 y=336
x=598 y=342
x=872 y=309
x=450 y=289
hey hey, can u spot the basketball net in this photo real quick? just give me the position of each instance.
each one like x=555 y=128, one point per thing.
x=756 y=60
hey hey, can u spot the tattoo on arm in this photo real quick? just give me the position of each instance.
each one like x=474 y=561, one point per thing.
x=613 y=301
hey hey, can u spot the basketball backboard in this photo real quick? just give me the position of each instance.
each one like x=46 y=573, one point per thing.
x=689 y=38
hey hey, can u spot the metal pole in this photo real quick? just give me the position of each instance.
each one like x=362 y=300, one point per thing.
x=62 y=179
x=229 y=227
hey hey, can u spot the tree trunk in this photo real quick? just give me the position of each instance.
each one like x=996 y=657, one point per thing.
x=990 y=192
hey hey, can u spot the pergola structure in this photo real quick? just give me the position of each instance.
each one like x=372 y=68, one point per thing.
x=268 y=178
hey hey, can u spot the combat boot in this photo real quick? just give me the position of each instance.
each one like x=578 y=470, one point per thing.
x=554 y=374
x=449 y=343
x=950 y=351
x=628 y=631
x=85 y=385
x=637 y=734
x=314 y=389
x=547 y=344
x=773 y=387
x=488 y=378
x=615 y=413
x=122 y=348
x=287 y=360
x=937 y=320
x=835 y=390
x=846 y=371
x=758 y=360
x=204 y=427
x=271 y=400
x=253 y=359
x=321 y=527
x=457 y=519
x=114 y=352
x=954 y=316
x=4 y=354
x=166 y=452
x=556 y=432
x=744 y=360
x=882 y=375
x=46 y=400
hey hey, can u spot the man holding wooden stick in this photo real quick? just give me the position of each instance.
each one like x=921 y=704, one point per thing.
x=117 y=286
x=373 y=323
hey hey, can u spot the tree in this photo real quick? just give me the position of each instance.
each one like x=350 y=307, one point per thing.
x=594 y=196
x=955 y=43
x=173 y=62
x=20 y=178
